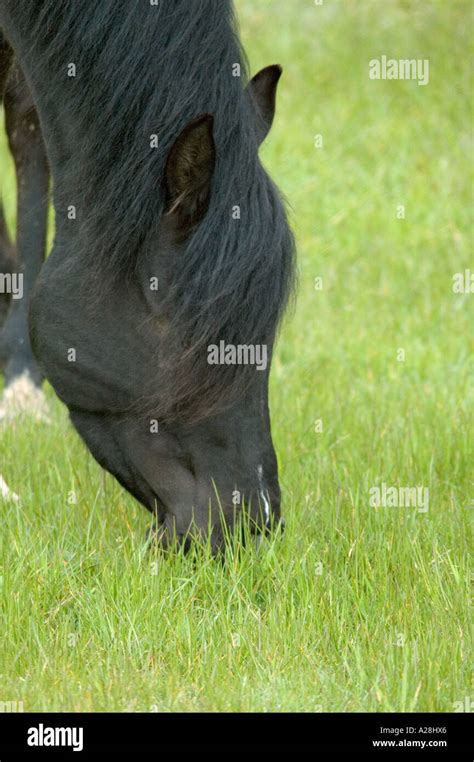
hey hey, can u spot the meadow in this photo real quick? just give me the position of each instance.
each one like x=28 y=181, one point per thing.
x=356 y=607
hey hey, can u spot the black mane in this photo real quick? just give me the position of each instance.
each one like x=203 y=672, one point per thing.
x=145 y=70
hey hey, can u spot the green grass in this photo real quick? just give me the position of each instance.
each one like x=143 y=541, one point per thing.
x=356 y=608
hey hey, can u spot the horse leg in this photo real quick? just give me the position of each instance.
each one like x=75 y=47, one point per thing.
x=6 y=248
x=22 y=376
x=6 y=269
x=6 y=58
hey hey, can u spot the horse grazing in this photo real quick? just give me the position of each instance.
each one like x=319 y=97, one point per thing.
x=170 y=239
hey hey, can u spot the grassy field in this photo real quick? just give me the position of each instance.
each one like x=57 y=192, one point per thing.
x=357 y=608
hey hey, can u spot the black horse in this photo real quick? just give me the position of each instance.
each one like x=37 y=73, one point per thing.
x=170 y=239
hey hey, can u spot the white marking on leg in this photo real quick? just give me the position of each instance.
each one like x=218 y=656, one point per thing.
x=264 y=495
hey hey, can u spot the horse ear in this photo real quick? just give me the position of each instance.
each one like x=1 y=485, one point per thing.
x=262 y=90
x=189 y=170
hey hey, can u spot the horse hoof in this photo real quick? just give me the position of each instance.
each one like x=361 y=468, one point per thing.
x=22 y=398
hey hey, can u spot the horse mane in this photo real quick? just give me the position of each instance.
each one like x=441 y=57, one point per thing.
x=144 y=70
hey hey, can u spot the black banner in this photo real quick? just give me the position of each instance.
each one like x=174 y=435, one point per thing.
x=76 y=736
